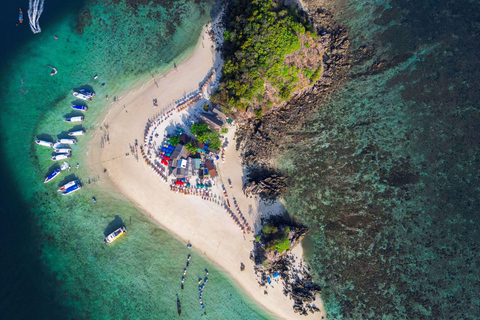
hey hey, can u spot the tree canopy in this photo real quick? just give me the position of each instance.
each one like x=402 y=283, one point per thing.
x=260 y=35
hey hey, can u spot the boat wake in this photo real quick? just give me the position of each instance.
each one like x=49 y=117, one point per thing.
x=35 y=9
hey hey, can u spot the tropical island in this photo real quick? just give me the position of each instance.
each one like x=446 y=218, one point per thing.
x=177 y=161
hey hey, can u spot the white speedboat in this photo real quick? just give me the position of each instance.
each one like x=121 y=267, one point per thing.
x=115 y=235
x=77 y=133
x=64 y=166
x=61 y=156
x=68 y=185
x=72 y=189
x=44 y=143
x=74 y=119
x=52 y=175
x=67 y=141
x=84 y=95
x=62 y=150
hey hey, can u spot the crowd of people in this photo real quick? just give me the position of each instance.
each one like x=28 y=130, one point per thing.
x=240 y=221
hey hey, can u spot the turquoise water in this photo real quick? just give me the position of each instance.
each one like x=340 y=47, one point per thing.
x=388 y=178
x=61 y=243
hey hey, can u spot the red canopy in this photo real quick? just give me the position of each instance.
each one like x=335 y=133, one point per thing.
x=179 y=183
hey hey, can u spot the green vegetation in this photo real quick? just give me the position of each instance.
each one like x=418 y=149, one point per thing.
x=275 y=238
x=261 y=34
x=224 y=130
x=205 y=107
x=191 y=148
x=257 y=238
x=174 y=140
x=204 y=134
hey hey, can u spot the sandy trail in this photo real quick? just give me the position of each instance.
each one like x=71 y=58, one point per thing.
x=205 y=224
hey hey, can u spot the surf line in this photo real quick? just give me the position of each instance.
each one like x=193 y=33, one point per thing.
x=35 y=9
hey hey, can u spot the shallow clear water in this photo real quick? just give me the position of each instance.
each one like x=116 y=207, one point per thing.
x=388 y=177
x=57 y=242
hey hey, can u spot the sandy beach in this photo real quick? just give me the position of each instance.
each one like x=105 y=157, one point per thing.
x=204 y=224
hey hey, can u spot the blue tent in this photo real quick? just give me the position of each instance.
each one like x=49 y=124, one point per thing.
x=276 y=275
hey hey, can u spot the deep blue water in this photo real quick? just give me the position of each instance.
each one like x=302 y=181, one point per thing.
x=26 y=291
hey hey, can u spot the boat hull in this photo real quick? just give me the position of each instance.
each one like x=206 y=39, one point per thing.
x=52 y=176
x=67 y=141
x=115 y=235
x=68 y=185
x=75 y=119
x=80 y=108
x=76 y=133
x=44 y=143
x=72 y=189
x=61 y=156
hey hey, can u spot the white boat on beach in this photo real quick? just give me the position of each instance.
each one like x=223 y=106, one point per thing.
x=63 y=150
x=67 y=141
x=61 y=156
x=44 y=143
x=74 y=119
x=68 y=185
x=77 y=133
x=84 y=95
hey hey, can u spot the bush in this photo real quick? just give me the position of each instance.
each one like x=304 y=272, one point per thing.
x=269 y=229
x=174 y=140
x=191 y=148
x=205 y=107
x=257 y=238
x=258 y=113
x=224 y=130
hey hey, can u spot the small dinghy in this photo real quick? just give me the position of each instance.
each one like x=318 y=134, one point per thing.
x=74 y=119
x=81 y=108
x=52 y=175
x=68 y=185
x=61 y=156
x=44 y=143
x=77 y=133
x=67 y=141
x=64 y=166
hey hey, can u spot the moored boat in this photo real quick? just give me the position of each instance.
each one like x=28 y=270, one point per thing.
x=62 y=150
x=115 y=235
x=61 y=156
x=77 y=133
x=81 y=108
x=52 y=175
x=68 y=185
x=44 y=143
x=67 y=141
x=74 y=119
x=72 y=189
x=84 y=95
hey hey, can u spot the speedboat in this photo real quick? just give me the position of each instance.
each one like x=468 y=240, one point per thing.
x=20 y=15
x=68 y=185
x=72 y=189
x=84 y=95
x=67 y=141
x=81 y=108
x=115 y=235
x=61 y=156
x=52 y=175
x=44 y=143
x=74 y=119
x=77 y=133
x=62 y=150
